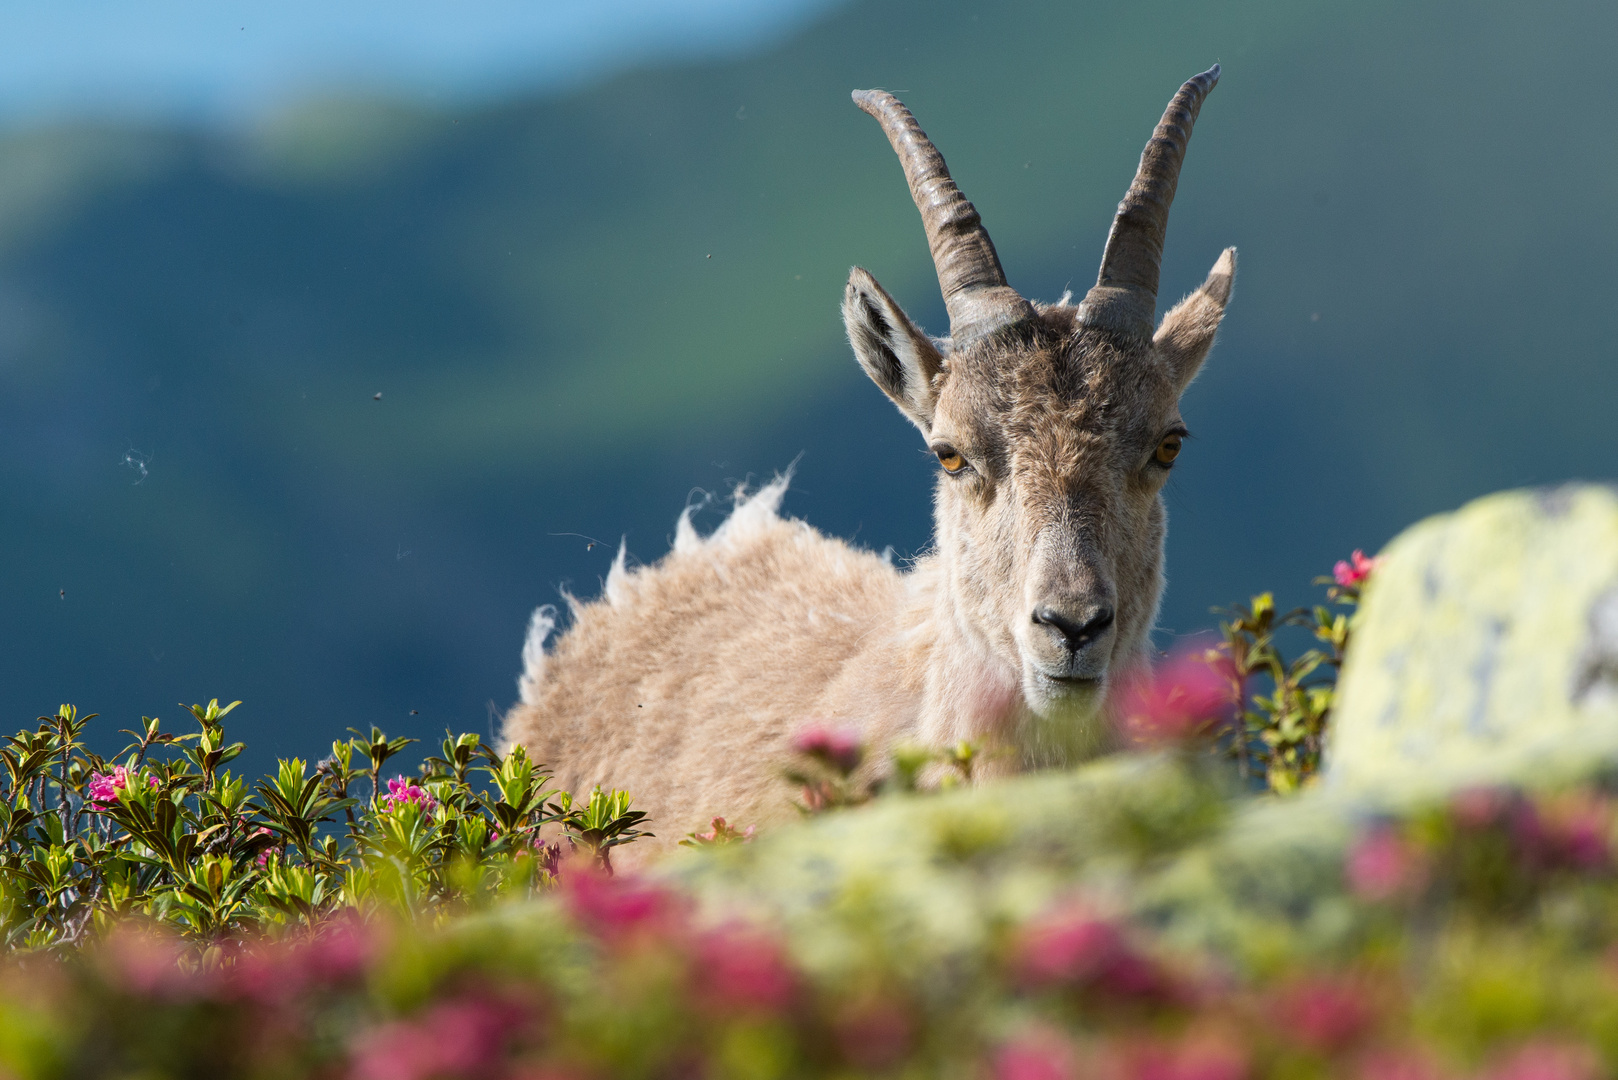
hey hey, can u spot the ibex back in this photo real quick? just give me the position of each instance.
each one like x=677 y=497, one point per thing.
x=1055 y=427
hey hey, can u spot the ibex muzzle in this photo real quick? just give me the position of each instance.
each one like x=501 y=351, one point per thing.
x=1055 y=427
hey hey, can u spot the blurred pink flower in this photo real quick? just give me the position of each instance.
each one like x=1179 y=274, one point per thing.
x=1067 y=947
x=1352 y=573
x=148 y=964
x=263 y=859
x=1324 y=1013
x=840 y=748
x=1072 y=947
x=268 y=973
x=342 y=951
x=1184 y=697
x=402 y=791
x=460 y=1037
x=1036 y=1055
x=1546 y=1060
x=273 y=973
x=103 y=788
x=617 y=906
x=1382 y=865
x=740 y=969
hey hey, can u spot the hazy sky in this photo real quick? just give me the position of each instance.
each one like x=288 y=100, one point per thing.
x=223 y=60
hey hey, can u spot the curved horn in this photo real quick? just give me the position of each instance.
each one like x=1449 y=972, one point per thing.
x=975 y=290
x=1125 y=294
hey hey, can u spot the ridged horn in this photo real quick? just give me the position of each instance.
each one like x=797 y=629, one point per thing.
x=1124 y=298
x=975 y=291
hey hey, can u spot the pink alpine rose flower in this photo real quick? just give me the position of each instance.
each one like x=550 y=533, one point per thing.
x=460 y=1037
x=840 y=748
x=740 y=969
x=1324 y=1013
x=263 y=859
x=617 y=908
x=1188 y=695
x=1074 y=948
x=1036 y=1055
x=1352 y=572
x=1382 y=865
x=103 y=788
x=402 y=791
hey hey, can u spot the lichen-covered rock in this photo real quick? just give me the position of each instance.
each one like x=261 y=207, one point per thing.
x=928 y=877
x=926 y=884
x=1486 y=651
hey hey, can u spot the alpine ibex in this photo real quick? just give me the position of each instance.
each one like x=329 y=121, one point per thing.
x=1055 y=427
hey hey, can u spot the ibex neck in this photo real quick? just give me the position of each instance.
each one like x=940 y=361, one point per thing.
x=968 y=691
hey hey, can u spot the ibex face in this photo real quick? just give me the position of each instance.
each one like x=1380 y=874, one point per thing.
x=1055 y=428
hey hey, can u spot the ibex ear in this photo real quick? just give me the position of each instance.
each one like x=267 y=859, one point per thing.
x=893 y=350
x=1187 y=331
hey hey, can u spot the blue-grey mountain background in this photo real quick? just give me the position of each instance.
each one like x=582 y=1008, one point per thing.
x=588 y=300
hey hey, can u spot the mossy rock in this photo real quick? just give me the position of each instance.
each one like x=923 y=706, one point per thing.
x=1486 y=651
x=926 y=884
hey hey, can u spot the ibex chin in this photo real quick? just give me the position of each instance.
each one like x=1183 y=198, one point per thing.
x=1055 y=427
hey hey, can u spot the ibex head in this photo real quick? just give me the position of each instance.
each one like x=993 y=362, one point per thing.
x=1055 y=428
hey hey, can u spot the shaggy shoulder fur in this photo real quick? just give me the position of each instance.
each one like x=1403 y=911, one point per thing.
x=686 y=681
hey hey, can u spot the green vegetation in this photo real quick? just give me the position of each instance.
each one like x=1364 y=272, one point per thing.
x=167 y=835
x=1145 y=918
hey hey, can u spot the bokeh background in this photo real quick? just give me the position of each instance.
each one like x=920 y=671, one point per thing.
x=591 y=256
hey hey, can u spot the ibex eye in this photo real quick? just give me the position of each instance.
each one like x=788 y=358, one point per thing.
x=1168 y=450
x=951 y=459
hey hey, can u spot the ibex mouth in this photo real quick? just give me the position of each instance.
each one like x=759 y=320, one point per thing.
x=1072 y=684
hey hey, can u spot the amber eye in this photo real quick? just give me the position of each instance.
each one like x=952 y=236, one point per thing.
x=1168 y=450
x=951 y=459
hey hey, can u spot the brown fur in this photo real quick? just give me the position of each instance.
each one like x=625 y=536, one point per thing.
x=687 y=681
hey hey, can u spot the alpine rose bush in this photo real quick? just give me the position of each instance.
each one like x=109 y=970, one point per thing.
x=169 y=836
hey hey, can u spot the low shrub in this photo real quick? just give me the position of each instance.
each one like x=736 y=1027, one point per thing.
x=165 y=834
x=1278 y=736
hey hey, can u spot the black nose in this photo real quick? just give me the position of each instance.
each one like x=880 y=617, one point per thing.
x=1077 y=632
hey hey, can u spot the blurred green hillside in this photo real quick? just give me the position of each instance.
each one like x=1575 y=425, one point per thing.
x=581 y=311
